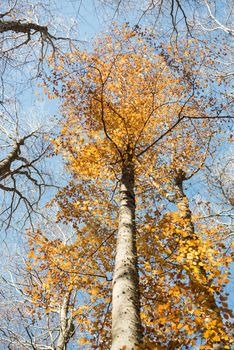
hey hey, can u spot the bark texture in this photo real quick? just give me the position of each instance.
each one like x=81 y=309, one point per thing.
x=22 y=27
x=66 y=331
x=126 y=323
x=182 y=204
x=185 y=212
x=5 y=164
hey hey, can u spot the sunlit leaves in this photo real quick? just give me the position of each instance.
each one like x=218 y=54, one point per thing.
x=121 y=99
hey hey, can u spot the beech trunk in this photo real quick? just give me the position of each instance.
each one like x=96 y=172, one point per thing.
x=185 y=212
x=126 y=323
x=65 y=324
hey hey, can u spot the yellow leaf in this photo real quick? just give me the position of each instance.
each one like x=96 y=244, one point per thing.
x=82 y=340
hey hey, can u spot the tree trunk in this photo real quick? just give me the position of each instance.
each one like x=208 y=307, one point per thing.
x=182 y=204
x=5 y=164
x=126 y=323
x=65 y=324
x=185 y=213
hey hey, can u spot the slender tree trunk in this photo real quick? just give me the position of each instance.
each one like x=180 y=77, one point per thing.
x=182 y=204
x=126 y=323
x=65 y=324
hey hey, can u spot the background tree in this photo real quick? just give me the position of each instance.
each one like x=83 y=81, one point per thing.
x=191 y=16
x=53 y=289
x=204 y=20
x=22 y=177
x=28 y=34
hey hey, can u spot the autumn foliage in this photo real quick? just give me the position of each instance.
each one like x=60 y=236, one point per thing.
x=135 y=100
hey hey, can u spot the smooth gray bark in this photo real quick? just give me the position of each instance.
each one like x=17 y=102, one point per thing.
x=65 y=324
x=185 y=212
x=182 y=204
x=126 y=323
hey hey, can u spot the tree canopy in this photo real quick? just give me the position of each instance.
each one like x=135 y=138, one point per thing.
x=138 y=119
